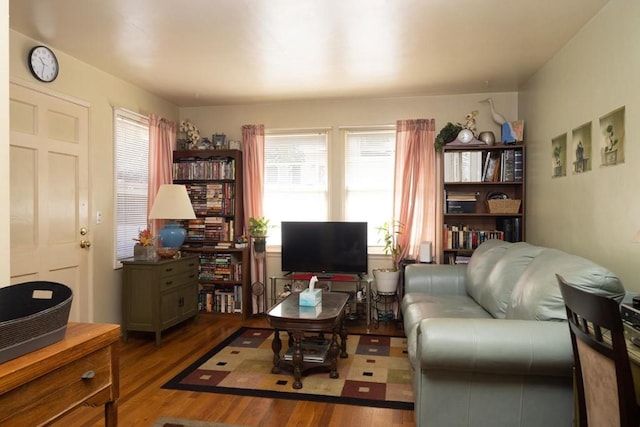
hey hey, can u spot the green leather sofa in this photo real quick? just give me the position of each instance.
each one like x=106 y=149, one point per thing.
x=488 y=342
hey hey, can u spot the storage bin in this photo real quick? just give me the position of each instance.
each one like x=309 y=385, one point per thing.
x=32 y=315
x=504 y=206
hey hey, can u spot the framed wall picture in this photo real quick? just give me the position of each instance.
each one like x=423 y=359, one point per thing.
x=581 y=148
x=612 y=132
x=219 y=141
x=559 y=156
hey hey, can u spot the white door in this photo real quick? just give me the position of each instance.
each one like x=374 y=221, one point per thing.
x=49 y=193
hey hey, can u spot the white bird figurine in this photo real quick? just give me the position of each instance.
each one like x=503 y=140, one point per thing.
x=508 y=133
x=497 y=117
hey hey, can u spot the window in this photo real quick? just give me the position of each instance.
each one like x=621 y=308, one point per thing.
x=370 y=159
x=296 y=179
x=131 y=134
x=300 y=185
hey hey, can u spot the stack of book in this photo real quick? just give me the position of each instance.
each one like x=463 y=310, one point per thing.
x=219 y=266
x=460 y=201
x=313 y=350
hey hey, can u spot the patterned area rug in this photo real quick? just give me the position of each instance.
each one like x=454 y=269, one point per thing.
x=376 y=373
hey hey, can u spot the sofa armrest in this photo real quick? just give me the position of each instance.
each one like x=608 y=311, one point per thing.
x=519 y=347
x=435 y=279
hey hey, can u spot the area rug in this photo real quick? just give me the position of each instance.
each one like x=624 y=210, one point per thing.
x=180 y=422
x=376 y=372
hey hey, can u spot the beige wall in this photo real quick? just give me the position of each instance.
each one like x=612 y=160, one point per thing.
x=337 y=114
x=594 y=214
x=102 y=91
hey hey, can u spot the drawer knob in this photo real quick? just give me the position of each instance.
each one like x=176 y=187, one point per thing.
x=88 y=375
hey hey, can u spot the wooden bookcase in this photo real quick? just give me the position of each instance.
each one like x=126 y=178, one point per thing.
x=468 y=175
x=214 y=181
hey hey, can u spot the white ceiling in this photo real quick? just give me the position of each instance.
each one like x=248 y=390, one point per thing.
x=219 y=52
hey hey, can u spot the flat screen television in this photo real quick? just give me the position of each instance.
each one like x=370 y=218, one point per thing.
x=324 y=247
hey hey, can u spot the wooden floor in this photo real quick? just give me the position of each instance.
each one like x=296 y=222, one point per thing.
x=144 y=368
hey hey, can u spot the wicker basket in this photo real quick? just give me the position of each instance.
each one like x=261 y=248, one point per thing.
x=32 y=315
x=503 y=206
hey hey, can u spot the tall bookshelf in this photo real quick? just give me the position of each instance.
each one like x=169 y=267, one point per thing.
x=214 y=182
x=473 y=175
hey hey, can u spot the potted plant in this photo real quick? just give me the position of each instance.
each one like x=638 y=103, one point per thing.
x=447 y=134
x=258 y=228
x=144 y=248
x=387 y=278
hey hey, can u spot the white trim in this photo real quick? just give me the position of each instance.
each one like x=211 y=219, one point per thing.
x=130 y=114
x=368 y=127
x=294 y=131
x=47 y=91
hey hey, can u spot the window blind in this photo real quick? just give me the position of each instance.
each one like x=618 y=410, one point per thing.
x=369 y=175
x=296 y=179
x=131 y=134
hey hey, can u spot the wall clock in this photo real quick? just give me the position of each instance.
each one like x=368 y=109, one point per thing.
x=43 y=64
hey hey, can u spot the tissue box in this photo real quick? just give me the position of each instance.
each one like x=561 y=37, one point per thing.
x=310 y=298
x=310 y=312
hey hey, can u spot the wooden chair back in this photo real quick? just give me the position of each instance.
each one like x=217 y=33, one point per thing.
x=605 y=388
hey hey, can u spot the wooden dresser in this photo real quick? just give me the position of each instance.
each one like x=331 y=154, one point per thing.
x=158 y=294
x=81 y=369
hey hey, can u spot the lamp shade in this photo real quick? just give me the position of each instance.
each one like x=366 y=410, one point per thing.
x=172 y=202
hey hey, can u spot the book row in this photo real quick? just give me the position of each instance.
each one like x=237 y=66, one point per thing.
x=483 y=166
x=220 y=300
x=210 y=228
x=220 y=267
x=212 y=199
x=191 y=168
x=460 y=237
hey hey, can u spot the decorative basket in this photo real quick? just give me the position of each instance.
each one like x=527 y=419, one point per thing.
x=32 y=315
x=503 y=206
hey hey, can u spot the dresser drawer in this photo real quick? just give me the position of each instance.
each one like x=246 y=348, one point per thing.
x=181 y=266
x=58 y=391
x=178 y=280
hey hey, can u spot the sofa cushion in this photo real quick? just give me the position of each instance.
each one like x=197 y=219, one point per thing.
x=495 y=295
x=482 y=261
x=425 y=306
x=537 y=295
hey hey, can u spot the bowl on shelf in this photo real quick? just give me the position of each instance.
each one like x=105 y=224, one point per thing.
x=167 y=252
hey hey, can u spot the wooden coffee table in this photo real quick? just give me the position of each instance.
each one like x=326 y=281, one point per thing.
x=289 y=316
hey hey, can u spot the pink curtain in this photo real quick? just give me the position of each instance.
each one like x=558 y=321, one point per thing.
x=417 y=196
x=253 y=157
x=162 y=142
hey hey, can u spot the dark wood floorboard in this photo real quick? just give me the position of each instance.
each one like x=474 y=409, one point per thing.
x=144 y=368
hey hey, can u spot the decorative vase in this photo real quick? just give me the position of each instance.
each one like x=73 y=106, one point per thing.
x=144 y=253
x=386 y=280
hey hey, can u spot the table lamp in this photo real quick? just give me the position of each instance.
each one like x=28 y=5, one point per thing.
x=172 y=203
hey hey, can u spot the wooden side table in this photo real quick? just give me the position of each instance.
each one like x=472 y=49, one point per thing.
x=82 y=369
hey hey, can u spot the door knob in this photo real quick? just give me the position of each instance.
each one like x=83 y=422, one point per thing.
x=85 y=244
